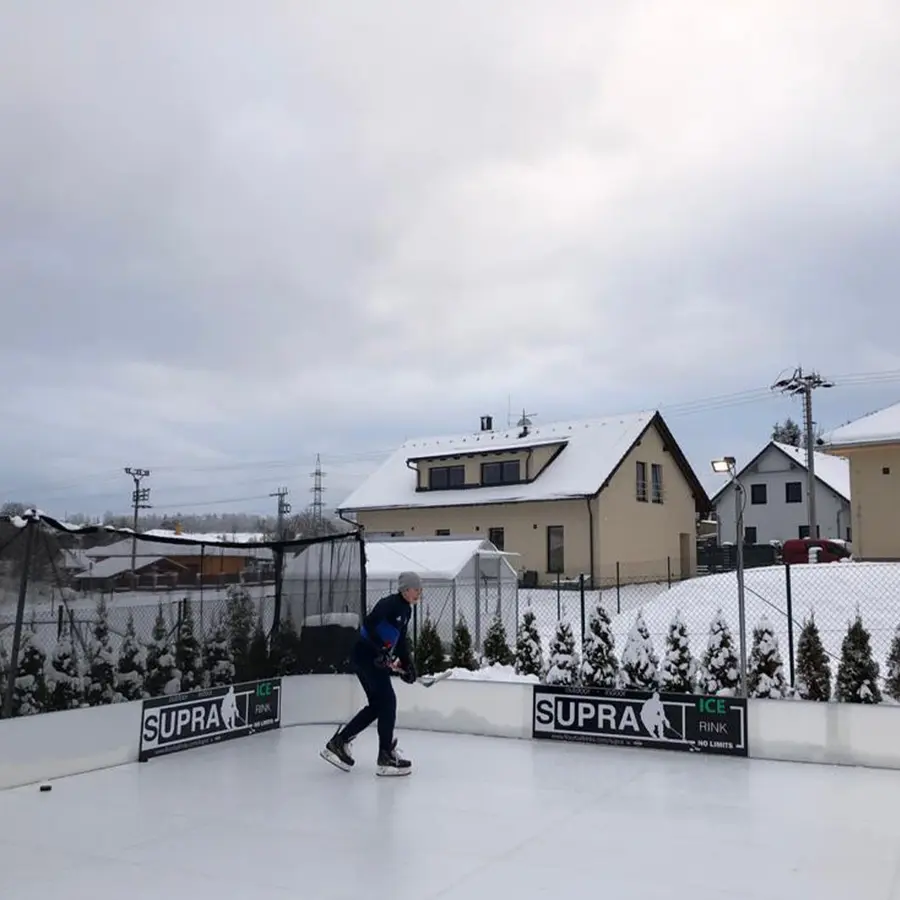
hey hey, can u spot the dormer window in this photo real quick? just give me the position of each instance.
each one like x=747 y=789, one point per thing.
x=441 y=478
x=506 y=472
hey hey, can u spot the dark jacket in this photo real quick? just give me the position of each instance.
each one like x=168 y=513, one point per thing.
x=383 y=632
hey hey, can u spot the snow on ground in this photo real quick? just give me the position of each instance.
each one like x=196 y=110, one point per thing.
x=496 y=672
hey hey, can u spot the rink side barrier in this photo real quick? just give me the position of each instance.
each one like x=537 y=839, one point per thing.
x=53 y=745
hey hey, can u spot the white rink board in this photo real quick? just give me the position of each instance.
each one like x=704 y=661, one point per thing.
x=265 y=818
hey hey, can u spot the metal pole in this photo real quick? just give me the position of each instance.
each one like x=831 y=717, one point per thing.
x=31 y=525
x=790 y=617
x=810 y=465
x=742 y=616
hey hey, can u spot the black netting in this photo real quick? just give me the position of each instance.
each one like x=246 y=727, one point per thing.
x=95 y=615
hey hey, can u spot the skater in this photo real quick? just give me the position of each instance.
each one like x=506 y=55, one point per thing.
x=382 y=648
x=653 y=715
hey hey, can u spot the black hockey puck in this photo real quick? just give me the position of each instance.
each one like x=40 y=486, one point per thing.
x=46 y=787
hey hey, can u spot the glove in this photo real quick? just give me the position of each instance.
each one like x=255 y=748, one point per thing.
x=409 y=673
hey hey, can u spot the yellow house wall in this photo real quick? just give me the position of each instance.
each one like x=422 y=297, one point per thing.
x=644 y=538
x=524 y=525
x=874 y=501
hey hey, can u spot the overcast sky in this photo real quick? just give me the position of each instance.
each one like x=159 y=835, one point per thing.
x=234 y=235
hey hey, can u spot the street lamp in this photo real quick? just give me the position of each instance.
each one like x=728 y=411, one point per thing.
x=728 y=466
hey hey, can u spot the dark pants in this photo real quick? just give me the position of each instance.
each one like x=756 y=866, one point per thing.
x=376 y=682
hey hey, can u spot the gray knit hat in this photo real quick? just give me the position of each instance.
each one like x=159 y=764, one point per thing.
x=407 y=580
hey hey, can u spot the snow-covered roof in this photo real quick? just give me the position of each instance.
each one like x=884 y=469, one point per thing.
x=209 y=537
x=149 y=548
x=880 y=427
x=832 y=470
x=116 y=565
x=439 y=560
x=592 y=450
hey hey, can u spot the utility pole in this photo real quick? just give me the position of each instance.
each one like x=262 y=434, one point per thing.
x=317 y=507
x=804 y=385
x=284 y=509
x=139 y=500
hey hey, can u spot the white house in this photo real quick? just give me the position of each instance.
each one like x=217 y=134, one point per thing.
x=775 y=509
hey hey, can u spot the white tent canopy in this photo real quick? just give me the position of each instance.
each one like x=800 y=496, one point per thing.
x=461 y=577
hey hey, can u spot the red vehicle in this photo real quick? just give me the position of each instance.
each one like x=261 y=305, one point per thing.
x=796 y=550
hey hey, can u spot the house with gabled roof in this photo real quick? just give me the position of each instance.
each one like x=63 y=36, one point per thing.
x=605 y=497
x=776 y=497
x=872 y=446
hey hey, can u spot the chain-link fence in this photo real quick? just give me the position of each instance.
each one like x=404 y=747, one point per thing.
x=93 y=614
x=814 y=631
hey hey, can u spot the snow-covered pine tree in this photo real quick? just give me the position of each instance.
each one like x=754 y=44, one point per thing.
x=529 y=654
x=813 y=666
x=496 y=647
x=600 y=667
x=564 y=663
x=679 y=668
x=188 y=657
x=286 y=647
x=857 y=675
x=218 y=661
x=131 y=670
x=892 y=669
x=461 y=654
x=765 y=668
x=30 y=694
x=720 y=668
x=430 y=656
x=65 y=685
x=241 y=617
x=162 y=675
x=101 y=662
x=640 y=664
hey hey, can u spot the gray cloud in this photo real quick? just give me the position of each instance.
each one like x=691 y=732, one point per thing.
x=249 y=235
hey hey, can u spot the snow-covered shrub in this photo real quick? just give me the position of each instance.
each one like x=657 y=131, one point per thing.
x=101 y=662
x=679 y=668
x=720 y=668
x=640 y=664
x=218 y=660
x=258 y=659
x=65 y=684
x=188 y=656
x=765 y=669
x=857 y=675
x=462 y=655
x=496 y=647
x=241 y=618
x=162 y=675
x=429 y=651
x=563 y=663
x=30 y=691
x=285 y=650
x=529 y=654
x=813 y=665
x=131 y=670
x=600 y=667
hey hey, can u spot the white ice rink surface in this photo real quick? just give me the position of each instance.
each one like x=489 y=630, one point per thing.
x=264 y=817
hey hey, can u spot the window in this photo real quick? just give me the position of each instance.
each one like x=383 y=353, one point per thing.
x=495 y=536
x=758 y=494
x=656 y=477
x=886 y=470
x=750 y=533
x=849 y=535
x=443 y=477
x=555 y=556
x=442 y=532
x=803 y=531
x=506 y=472
x=793 y=493
x=640 y=485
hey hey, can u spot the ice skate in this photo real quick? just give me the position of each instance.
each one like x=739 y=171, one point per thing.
x=391 y=763
x=337 y=753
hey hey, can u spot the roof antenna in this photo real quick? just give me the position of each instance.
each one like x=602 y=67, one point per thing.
x=525 y=423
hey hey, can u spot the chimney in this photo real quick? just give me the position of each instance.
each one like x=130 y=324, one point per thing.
x=487 y=423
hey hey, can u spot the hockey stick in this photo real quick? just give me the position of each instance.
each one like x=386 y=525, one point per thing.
x=429 y=680
x=692 y=746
